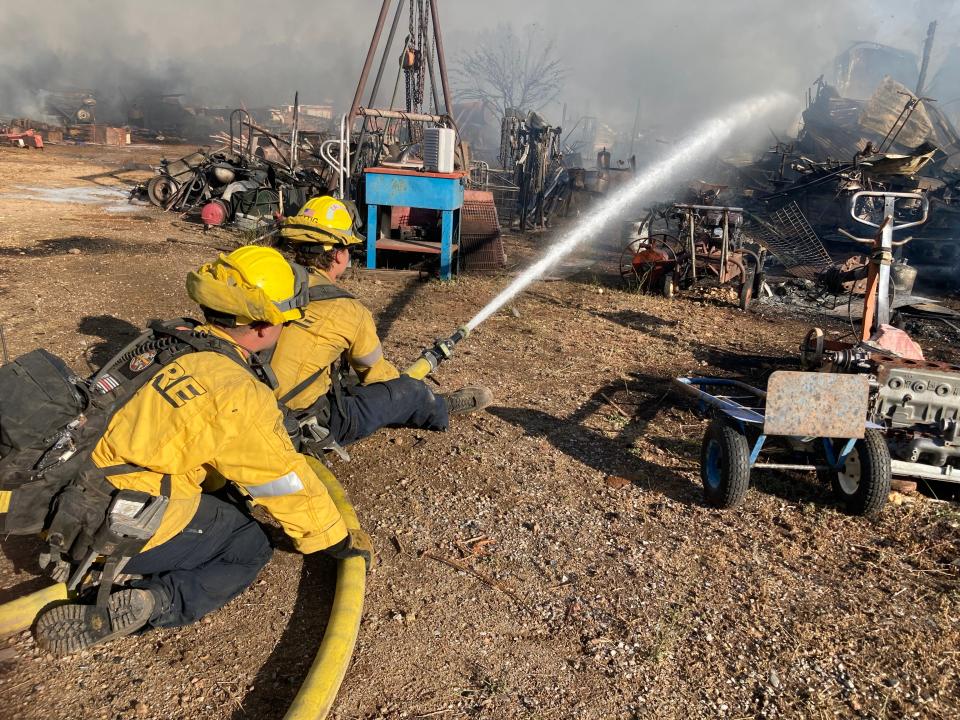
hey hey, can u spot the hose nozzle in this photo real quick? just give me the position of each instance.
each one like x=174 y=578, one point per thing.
x=431 y=357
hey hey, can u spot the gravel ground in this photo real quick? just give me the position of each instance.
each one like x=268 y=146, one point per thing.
x=608 y=589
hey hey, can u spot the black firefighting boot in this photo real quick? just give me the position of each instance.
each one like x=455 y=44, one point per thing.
x=468 y=400
x=67 y=629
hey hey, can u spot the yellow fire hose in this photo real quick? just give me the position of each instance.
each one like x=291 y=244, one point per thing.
x=319 y=688
x=322 y=682
x=18 y=615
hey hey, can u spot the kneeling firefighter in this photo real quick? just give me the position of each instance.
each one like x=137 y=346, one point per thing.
x=120 y=483
x=336 y=334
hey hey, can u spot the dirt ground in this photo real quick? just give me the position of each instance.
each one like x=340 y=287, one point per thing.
x=578 y=492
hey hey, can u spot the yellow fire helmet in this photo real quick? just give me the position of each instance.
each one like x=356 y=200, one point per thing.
x=322 y=224
x=251 y=284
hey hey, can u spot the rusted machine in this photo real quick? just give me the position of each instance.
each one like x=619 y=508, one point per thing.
x=861 y=413
x=708 y=248
x=915 y=401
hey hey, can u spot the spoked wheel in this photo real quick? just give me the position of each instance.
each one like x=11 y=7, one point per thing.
x=863 y=483
x=724 y=464
x=643 y=262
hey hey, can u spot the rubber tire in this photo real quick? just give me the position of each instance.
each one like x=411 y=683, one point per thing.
x=158 y=197
x=873 y=457
x=667 y=289
x=724 y=465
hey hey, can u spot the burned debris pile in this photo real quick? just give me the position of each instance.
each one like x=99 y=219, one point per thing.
x=255 y=177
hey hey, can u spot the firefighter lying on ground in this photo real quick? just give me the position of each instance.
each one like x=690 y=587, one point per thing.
x=205 y=410
x=307 y=359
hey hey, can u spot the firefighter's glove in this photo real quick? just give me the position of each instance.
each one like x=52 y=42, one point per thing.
x=356 y=543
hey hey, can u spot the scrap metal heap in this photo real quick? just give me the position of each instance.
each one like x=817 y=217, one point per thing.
x=253 y=178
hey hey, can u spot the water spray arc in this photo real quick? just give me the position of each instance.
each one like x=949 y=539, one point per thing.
x=693 y=148
x=707 y=137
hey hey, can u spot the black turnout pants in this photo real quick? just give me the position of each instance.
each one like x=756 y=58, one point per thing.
x=205 y=566
x=400 y=402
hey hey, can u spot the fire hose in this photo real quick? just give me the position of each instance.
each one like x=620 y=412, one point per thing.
x=323 y=679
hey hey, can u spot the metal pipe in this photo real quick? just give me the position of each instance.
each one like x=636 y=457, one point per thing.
x=693 y=248
x=927 y=46
x=374 y=42
x=886 y=246
x=294 y=133
x=441 y=59
x=386 y=52
x=343 y=168
x=788 y=466
x=402 y=115
x=725 y=247
x=947 y=473
x=376 y=82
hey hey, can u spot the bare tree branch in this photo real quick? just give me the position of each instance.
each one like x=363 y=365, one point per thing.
x=505 y=70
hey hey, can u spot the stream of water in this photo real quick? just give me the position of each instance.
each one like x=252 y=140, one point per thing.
x=687 y=153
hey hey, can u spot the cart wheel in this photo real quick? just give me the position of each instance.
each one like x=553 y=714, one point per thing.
x=160 y=189
x=864 y=482
x=667 y=289
x=724 y=464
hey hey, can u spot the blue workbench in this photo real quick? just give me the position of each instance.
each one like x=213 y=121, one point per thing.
x=393 y=187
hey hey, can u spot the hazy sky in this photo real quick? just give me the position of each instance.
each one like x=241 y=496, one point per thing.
x=680 y=57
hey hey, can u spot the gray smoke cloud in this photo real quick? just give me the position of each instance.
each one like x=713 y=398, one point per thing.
x=681 y=59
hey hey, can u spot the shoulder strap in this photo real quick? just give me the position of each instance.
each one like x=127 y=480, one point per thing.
x=200 y=342
x=329 y=291
x=303 y=385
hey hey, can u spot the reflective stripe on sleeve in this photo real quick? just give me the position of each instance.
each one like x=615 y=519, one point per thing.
x=371 y=358
x=284 y=485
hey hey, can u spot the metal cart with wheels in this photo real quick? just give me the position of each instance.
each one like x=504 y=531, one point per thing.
x=808 y=421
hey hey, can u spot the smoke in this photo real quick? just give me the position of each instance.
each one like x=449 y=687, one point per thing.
x=680 y=59
x=214 y=53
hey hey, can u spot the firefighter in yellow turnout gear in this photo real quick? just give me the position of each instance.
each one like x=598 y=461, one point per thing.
x=207 y=411
x=337 y=325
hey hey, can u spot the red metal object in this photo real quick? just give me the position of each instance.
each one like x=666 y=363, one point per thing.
x=29 y=138
x=456 y=174
x=214 y=213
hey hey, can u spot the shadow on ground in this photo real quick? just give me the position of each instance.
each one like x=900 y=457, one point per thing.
x=280 y=677
x=114 y=332
x=50 y=247
x=22 y=552
x=613 y=456
x=394 y=309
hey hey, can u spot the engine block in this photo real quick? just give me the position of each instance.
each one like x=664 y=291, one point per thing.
x=914 y=393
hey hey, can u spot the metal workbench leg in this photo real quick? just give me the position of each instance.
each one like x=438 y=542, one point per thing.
x=372 y=211
x=446 y=243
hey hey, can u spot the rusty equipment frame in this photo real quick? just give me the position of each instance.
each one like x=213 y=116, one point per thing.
x=444 y=118
x=683 y=261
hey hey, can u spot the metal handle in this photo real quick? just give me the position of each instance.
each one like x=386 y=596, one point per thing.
x=866 y=241
x=885 y=195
